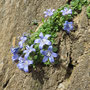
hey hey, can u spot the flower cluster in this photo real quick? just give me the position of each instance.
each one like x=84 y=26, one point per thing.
x=48 y=54
x=23 y=62
x=26 y=52
x=67 y=26
x=22 y=54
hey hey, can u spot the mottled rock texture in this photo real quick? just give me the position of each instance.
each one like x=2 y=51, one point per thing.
x=73 y=70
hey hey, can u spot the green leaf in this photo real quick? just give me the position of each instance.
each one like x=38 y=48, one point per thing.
x=31 y=31
x=88 y=14
x=35 y=57
x=55 y=49
x=88 y=9
x=75 y=13
x=79 y=7
x=43 y=20
x=47 y=63
x=34 y=67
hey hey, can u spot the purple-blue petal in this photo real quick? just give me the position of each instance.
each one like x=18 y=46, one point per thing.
x=64 y=28
x=30 y=62
x=48 y=42
x=45 y=12
x=47 y=36
x=37 y=41
x=33 y=49
x=43 y=52
x=24 y=38
x=20 y=65
x=61 y=11
x=41 y=35
x=45 y=58
x=21 y=44
x=50 y=48
x=54 y=54
x=66 y=22
x=27 y=47
x=26 y=68
x=14 y=50
x=71 y=27
x=41 y=45
x=53 y=10
x=26 y=55
x=46 y=16
x=68 y=30
x=21 y=59
x=65 y=8
x=51 y=59
x=70 y=11
x=31 y=46
x=25 y=51
x=15 y=57
x=70 y=23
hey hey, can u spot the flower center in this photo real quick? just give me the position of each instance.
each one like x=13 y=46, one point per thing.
x=49 y=54
x=43 y=41
x=26 y=63
x=21 y=60
x=30 y=50
x=69 y=25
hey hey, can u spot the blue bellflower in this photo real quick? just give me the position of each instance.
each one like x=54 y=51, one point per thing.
x=49 y=12
x=66 y=11
x=14 y=51
x=23 y=39
x=28 y=50
x=15 y=57
x=48 y=54
x=68 y=26
x=43 y=40
x=23 y=64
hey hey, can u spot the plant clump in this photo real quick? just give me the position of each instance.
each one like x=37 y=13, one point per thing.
x=39 y=47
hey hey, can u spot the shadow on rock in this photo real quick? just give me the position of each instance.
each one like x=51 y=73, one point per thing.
x=38 y=74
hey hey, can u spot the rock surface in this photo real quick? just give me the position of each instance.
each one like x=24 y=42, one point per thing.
x=73 y=71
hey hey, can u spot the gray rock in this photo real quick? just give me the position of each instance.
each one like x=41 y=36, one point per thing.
x=73 y=70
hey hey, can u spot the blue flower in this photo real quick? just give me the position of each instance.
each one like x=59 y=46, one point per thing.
x=23 y=39
x=43 y=40
x=66 y=11
x=15 y=57
x=28 y=50
x=48 y=54
x=49 y=12
x=23 y=64
x=14 y=51
x=68 y=26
